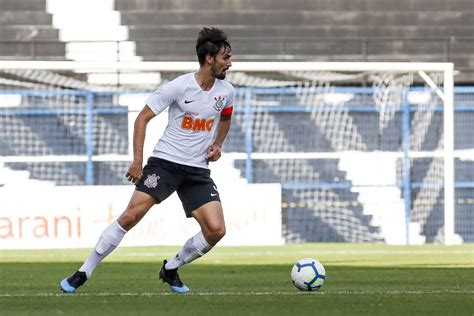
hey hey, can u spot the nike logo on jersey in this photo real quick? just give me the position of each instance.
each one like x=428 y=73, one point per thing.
x=188 y=101
x=213 y=194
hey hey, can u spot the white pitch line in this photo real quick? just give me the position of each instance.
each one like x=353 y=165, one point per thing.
x=150 y=294
x=324 y=252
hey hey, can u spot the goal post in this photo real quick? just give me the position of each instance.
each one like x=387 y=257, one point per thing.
x=448 y=120
x=370 y=112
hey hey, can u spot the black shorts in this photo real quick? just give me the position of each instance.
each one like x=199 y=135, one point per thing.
x=193 y=185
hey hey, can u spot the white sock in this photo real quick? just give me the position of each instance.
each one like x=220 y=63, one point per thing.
x=108 y=241
x=194 y=248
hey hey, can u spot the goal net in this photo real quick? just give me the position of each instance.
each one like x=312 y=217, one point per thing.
x=364 y=152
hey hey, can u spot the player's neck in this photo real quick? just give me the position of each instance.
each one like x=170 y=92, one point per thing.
x=204 y=79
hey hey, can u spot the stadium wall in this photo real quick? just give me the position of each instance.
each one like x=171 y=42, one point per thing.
x=74 y=217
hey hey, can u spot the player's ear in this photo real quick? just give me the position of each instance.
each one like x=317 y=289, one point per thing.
x=209 y=59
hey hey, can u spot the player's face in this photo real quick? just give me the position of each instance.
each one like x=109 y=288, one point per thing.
x=222 y=62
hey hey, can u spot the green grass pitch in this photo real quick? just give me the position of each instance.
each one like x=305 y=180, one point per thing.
x=362 y=279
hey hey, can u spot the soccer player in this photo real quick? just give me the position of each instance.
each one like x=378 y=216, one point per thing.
x=199 y=106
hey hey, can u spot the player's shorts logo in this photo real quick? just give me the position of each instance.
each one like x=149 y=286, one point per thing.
x=215 y=189
x=219 y=105
x=151 y=181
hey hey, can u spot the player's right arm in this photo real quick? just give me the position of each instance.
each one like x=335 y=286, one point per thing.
x=157 y=102
x=134 y=172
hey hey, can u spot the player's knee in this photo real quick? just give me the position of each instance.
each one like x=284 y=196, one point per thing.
x=127 y=220
x=215 y=234
x=219 y=233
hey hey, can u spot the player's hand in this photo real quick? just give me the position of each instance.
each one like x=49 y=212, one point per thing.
x=213 y=152
x=134 y=172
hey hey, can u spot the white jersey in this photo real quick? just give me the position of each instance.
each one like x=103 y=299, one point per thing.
x=192 y=119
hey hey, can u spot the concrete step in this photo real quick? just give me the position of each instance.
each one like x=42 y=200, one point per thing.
x=30 y=49
x=461 y=47
x=241 y=47
x=419 y=47
x=317 y=47
x=101 y=51
x=12 y=17
x=323 y=45
x=400 y=50
x=22 y=5
x=294 y=17
x=22 y=33
x=284 y=5
x=103 y=23
x=94 y=33
x=285 y=31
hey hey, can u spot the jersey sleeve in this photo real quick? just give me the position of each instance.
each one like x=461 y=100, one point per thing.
x=229 y=107
x=162 y=98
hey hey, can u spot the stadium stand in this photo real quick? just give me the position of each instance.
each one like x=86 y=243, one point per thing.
x=26 y=32
x=361 y=30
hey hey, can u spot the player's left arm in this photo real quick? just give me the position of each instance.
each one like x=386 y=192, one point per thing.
x=223 y=127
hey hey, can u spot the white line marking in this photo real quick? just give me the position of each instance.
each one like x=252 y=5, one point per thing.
x=244 y=252
x=151 y=294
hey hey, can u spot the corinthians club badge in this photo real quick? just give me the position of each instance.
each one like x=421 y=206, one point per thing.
x=151 y=181
x=219 y=105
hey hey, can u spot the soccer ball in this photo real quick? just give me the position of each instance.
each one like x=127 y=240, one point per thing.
x=308 y=274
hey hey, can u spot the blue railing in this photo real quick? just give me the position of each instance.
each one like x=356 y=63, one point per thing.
x=90 y=110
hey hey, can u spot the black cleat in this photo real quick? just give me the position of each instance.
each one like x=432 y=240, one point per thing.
x=70 y=284
x=172 y=278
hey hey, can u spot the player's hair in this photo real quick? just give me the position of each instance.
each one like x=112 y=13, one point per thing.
x=210 y=40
